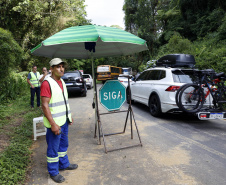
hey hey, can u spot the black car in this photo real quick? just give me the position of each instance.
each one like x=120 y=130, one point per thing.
x=75 y=82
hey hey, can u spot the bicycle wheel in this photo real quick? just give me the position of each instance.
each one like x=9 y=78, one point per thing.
x=177 y=94
x=191 y=98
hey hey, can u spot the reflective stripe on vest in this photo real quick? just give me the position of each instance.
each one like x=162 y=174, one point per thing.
x=34 y=79
x=60 y=114
x=62 y=154
x=52 y=159
x=57 y=105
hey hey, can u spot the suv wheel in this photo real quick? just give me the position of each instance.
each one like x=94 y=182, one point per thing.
x=155 y=106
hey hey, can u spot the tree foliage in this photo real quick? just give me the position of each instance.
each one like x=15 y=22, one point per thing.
x=32 y=21
x=201 y=17
x=181 y=26
x=23 y=25
x=11 y=53
x=12 y=82
x=140 y=19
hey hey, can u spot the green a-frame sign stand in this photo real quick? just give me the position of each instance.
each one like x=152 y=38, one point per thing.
x=130 y=116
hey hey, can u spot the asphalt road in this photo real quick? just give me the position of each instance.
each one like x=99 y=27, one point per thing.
x=177 y=149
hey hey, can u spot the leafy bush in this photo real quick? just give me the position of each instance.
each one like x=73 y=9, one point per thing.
x=176 y=44
x=179 y=45
x=13 y=85
x=11 y=53
x=209 y=52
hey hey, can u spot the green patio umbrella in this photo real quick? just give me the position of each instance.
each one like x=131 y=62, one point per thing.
x=107 y=41
x=90 y=41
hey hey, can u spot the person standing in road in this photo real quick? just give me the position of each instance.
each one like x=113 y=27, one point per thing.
x=57 y=117
x=44 y=75
x=33 y=81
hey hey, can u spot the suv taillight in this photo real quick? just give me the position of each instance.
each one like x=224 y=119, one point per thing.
x=172 y=88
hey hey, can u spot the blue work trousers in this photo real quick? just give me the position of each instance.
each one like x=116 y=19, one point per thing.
x=57 y=150
x=36 y=91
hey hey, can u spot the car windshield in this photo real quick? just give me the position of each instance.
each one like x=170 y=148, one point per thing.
x=125 y=70
x=72 y=74
x=103 y=69
x=183 y=76
x=86 y=76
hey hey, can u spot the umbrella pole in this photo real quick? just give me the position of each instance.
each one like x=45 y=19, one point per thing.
x=97 y=126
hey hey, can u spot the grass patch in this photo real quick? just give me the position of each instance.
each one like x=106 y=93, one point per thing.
x=98 y=82
x=16 y=129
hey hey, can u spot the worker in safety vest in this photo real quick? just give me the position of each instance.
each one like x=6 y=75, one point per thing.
x=45 y=74
x=33 y=81
x=57 y=117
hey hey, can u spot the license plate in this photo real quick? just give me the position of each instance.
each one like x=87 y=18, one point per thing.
x=68 y=84
x=211 y=115
x=216 y=115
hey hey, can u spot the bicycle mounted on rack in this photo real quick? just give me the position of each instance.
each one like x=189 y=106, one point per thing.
x=205 y=95
x=208 y=88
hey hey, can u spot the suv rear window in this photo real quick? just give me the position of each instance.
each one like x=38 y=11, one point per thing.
x=85 y=76
x=182 y=76
x=152 y=75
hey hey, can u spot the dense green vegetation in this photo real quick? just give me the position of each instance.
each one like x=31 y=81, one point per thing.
x=196 y=27
x=23 y=25
x=181 y=26
x=32 y=21
x=11 y=55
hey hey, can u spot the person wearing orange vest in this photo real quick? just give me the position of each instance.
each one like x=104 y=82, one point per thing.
x=57 y=117
x=33 y=81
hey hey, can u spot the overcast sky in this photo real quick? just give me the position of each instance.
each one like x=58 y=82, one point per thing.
x=105 y=12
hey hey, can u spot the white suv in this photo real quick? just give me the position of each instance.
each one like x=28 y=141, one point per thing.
x=156 y=88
